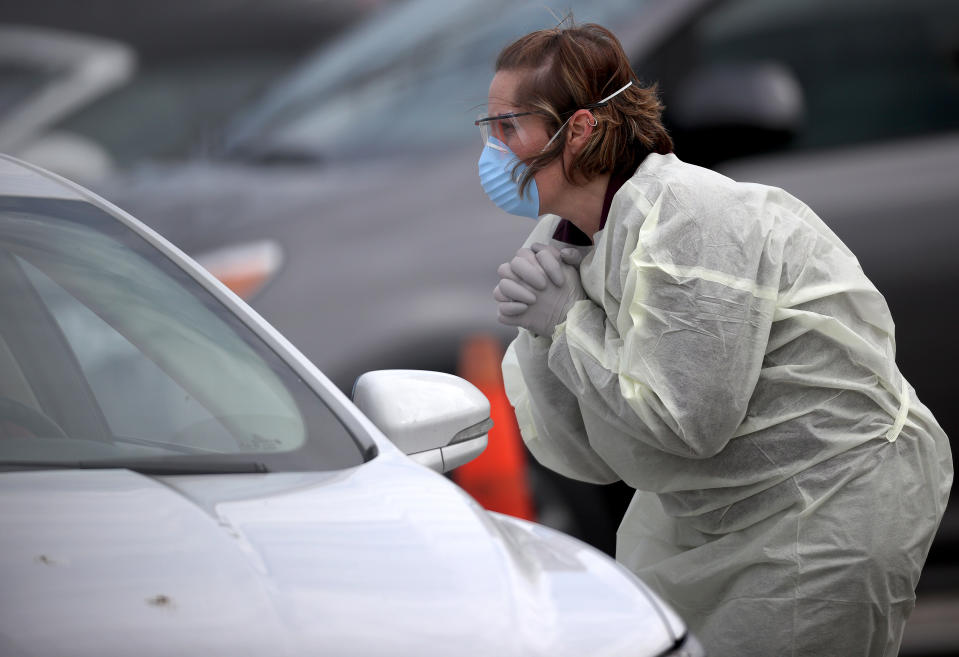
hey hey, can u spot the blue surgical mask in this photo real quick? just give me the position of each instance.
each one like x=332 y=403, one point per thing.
x=496 y=166
x=497 y=162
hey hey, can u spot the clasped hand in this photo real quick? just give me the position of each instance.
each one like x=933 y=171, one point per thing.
x=538 y=287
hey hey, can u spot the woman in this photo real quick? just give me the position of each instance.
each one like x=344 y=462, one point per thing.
x=718 y=349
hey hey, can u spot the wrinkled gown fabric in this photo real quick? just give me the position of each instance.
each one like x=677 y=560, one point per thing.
x=735 y=366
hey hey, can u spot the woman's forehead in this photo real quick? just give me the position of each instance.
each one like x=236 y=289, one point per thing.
x=502 y=91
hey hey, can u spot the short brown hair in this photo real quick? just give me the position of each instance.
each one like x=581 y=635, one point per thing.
x=574 y=66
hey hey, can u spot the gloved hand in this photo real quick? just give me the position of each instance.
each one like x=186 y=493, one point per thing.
x=528 y=272
x=518 y=279
x=569 y=255
x=521 y=276
x=538 y=287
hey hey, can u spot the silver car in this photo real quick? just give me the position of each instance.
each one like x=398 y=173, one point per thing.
x=175 y=478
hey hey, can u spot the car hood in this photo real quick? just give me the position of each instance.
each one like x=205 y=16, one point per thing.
x=386 y=558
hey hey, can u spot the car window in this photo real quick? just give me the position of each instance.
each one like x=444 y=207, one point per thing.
x=116 y=356
x=869 y=70
x=120 y=376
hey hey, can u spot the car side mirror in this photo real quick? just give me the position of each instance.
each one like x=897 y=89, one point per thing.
x=439 y=420
x=726 y=111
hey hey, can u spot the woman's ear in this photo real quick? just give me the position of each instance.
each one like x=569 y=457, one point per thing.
x=580 y=129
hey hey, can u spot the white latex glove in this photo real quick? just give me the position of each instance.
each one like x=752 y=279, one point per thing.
x=518 y=278
x=538 y=287
x=528 y=272
x=570 y=255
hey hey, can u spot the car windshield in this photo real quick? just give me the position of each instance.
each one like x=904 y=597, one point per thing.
x=111 y=355
x=410 y=80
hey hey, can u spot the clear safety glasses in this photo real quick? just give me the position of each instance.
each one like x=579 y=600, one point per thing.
x=508 y=128
x=505 y=128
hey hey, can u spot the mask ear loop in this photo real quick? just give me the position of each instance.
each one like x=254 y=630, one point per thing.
x=555 y=135
x=614 y=94
x=594 y=105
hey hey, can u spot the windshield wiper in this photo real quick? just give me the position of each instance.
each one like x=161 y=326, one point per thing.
x=145 y=466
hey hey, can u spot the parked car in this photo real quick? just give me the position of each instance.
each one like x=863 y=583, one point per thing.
x=175 y=478
x=45 y=77
x=85 y=91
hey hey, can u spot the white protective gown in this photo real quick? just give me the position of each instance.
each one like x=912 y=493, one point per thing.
x=735 y=366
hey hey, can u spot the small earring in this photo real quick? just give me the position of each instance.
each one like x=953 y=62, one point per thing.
x=594 y=123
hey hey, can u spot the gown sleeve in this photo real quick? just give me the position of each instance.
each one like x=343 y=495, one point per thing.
x=548 y=414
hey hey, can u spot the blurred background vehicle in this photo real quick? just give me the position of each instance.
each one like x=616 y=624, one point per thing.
x=353 y=179
x=112 y=82
x=170 y=467
x=45 y=77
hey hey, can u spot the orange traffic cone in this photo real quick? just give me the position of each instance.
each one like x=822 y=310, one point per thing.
x=497 y=479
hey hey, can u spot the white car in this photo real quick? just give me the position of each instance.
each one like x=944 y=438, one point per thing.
x=176 y=479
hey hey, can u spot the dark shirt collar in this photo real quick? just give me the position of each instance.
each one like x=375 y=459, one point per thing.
x=569 y=233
